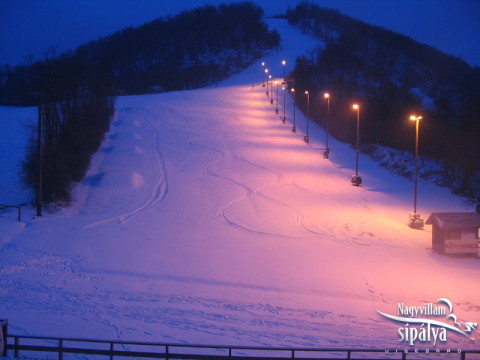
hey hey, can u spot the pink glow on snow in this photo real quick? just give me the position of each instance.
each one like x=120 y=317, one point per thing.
x=225 y=228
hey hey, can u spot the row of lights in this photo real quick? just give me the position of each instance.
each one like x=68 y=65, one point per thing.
x=415 y=220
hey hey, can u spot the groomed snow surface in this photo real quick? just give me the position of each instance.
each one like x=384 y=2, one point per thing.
x=205 y=220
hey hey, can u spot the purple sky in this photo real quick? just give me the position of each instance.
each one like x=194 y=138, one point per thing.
x=31 y=26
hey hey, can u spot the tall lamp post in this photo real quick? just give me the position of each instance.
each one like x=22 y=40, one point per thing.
x=326 y=152
x=266 y=75
x=284 y=118
x=276 y=108
x=294 y=127
x=356 y=179
x=284 y=63
x=415 y=221
x=306 y=138
x=263 y=72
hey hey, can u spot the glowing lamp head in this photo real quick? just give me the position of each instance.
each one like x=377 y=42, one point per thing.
x=266 y=71
x=284 y=62
x=263 y=63
x=326 y=95
x=306 y=92
x=356 y=107
x=415 y=117
x=292 y=90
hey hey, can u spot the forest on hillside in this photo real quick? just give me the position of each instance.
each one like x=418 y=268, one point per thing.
x=392 y=76
x=76 y=89
x=195 y=48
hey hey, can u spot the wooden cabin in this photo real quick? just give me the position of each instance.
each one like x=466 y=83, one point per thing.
x=455 y=232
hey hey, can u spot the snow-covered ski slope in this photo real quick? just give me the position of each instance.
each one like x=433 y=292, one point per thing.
x=203 y=219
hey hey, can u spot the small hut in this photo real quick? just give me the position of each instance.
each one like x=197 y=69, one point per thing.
x=455 y=232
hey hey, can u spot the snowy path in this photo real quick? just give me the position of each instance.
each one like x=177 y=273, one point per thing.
x=159 y=189
x=240 y=235
x=203 y=219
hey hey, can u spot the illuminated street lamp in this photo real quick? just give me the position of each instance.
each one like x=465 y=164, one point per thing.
x=284 y=118
x=306 y=138
x=294 y=127
x=326 y=152
x=415 y=221
x=263 y=64
x=266 y=75
x=356 y=179
x=284 y=63
x=276 y=109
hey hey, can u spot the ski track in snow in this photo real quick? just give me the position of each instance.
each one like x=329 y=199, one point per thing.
x=63 y=268
x=248 y=193
x=299 y=216
x=63 y=294
x=159 y=188
x=147 y=313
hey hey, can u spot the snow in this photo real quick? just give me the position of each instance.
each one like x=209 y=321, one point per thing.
x=15 y=125
x=204 y=220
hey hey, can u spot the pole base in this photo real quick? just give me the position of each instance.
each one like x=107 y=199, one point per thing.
x=415 y=221
x=306 y=138
x=294 y=129
x=356 y=180
x=326 y=153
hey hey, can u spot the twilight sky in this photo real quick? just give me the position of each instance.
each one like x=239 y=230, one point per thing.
x=31 y=26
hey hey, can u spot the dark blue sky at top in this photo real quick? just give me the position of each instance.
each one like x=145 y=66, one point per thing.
x=31 y=26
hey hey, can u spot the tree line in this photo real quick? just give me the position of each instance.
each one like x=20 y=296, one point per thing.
x=192 y=49
x=75 y=108
x=392 y=76
x=195 y=48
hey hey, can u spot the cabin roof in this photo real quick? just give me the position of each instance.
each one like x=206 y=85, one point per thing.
x=455 y=220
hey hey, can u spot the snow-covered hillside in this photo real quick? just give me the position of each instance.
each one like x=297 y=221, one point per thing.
x=204 y=219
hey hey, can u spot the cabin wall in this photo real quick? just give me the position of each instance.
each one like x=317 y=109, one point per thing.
x=438 y=242
x=460 y=241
